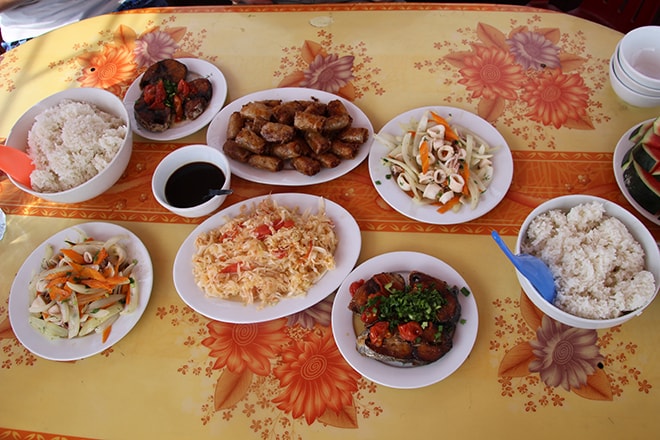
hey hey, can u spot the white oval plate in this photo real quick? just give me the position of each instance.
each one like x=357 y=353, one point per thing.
x=404 y=204
x=404 y=377
x=216 y=136
x=85 y=346
x=622 y=147
x=346 y=255
x=196 y=68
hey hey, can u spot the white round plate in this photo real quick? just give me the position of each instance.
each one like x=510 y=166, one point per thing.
x=622 y=147
x=346 y=255
x=216 y=135
x=196 y=68
x=403 y=203
x=404 y=377
x=85 y=346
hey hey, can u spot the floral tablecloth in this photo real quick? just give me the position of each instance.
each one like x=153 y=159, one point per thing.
x=541 y=78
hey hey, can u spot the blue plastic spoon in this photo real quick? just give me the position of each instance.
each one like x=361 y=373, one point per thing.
x=535 y=270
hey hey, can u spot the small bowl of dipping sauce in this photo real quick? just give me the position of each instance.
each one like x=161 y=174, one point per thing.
x=187 y=180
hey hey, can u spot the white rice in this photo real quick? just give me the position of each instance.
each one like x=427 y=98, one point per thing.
x=598 y=265
x=70 y=143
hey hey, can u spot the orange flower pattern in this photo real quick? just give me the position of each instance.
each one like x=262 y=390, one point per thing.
x=290 y=367
x=555 y=97
x=108 y=68
x=247 y=346
x=526 y=73
x=492 y=73
x=126 y=53
x=314 y=378
x=545 y=357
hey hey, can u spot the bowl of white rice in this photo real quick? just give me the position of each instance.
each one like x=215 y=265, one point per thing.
x=80 y=141
x=605 y=262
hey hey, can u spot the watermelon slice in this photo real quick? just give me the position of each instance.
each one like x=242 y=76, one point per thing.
x=639 y=132
x=648 y=158
x=643 y=187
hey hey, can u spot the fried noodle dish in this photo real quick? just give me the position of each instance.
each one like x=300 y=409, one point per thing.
x=266 y=253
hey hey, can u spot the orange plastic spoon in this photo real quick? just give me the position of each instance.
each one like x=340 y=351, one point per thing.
x=17 y=164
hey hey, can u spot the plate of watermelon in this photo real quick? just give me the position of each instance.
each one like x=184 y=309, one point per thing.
x=637 y=168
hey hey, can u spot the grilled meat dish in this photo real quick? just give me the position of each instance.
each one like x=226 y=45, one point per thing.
x=167 y=97
x=407 y=324
x=169 y=69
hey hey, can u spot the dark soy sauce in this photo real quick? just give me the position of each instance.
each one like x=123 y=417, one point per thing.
x=189 y=185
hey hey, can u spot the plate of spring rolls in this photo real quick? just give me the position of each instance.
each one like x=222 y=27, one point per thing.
x=291 y=136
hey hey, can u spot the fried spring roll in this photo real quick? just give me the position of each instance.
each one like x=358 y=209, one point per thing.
x=289 y=150
x=276 y=132
x=285 y=112
x=317 y=142
x=234 y=125
x=328 y=160
x=344 y=150
x=337 y=122
x=234 y=151
x=251 y=141
x=316 y=108
x=336 y=108
x=308 y=121
x=306 y=165
x=268 y=163
x=254 y=110
x=355 y=135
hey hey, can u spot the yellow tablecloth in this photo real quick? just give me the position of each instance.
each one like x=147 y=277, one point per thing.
x=540 y=77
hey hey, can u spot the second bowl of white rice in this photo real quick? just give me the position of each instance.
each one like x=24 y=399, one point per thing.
x=605 y=261
x=80 y=141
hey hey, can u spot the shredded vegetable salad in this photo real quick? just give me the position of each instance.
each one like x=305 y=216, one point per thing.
x=439 y=163
x=83 y=288
x=265 y=253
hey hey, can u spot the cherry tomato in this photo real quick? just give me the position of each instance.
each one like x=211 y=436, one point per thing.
x=262 y=231
x=410 y=330
x=183 y=89
x=369 y=315
x=284 y=224
x=155 y=95
x=355 y=285
x=378 y=332
x=177 y=103
x=232 y=268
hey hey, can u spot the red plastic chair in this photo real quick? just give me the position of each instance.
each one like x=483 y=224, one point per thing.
x=622 y=15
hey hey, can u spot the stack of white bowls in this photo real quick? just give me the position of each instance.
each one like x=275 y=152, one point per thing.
x=635 y=67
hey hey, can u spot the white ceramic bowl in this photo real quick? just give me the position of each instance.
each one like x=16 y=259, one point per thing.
x=639 y=54
x=98 y=184
x=628 y=81
x=630 y=96
x=183 y=156
x=636 y=228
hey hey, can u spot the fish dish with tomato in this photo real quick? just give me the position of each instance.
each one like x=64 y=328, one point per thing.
x=168 y=97
x=406 y=323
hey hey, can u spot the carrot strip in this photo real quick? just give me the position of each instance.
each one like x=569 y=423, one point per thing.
x=57 y=282
x=106 y=333
x=466 y=176
x=449 y=205
x=74 y=256
x=96 y=284
x=89 y=273
x=83 y=300
x=100 y=256
x=450 y=134
x=58 y=293
x=424 y=155
x=61 y=274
